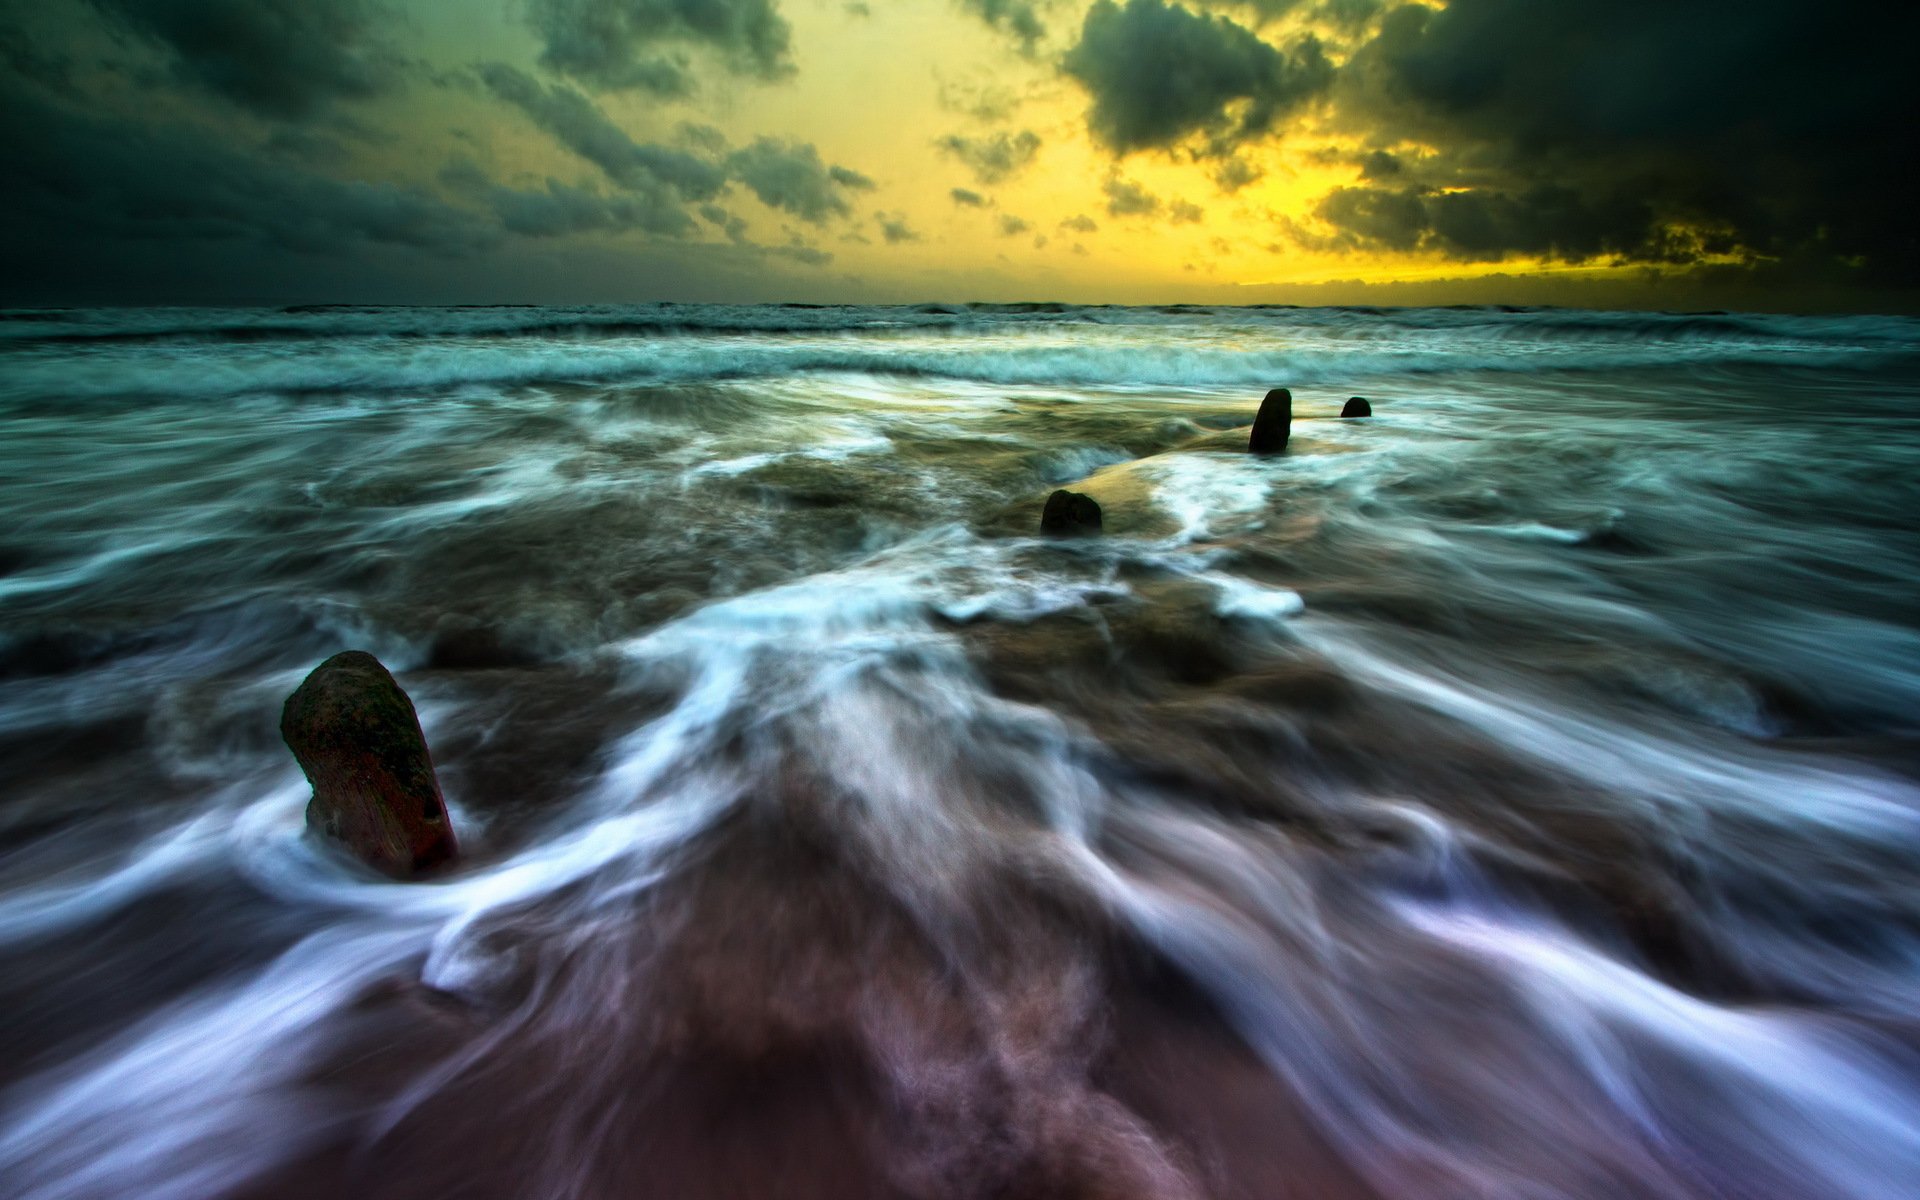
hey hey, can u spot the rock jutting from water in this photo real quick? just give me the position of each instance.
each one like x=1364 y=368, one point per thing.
x=357 y=738
x=1070 y=514
x=1357 y=407
x=1273 y=423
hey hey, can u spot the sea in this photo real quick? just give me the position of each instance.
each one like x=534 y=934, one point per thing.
x=1512 y=795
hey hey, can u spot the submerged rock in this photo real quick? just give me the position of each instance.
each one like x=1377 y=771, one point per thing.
x=1070 y=514
x=1273 y=423
x=1357 y=407
x=358 y=740
x=471 y=646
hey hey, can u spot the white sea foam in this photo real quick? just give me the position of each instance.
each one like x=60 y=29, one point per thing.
x=349 y=355
x=1241 y=598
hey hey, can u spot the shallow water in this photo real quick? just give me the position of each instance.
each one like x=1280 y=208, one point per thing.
x=1515 y=794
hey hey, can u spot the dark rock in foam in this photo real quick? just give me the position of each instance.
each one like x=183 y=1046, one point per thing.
x=1357 y=407
x=1070 y=514
x=358 y=739
x=1273 y=424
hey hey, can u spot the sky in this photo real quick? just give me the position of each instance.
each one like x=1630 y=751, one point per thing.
x=1613 y=153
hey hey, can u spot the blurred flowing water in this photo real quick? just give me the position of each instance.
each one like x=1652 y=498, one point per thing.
x=1514 y=795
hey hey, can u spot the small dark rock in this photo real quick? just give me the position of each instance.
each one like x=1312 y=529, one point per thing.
x=1357 y=407
x=1070 y=514
x=1273 y=423
x=358 y=740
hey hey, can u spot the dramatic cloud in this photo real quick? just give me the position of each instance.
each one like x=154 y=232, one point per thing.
x=1381 y=165
x=994 y=158
x=1486 y=225
x=661 y=180
x=643 y=44
x=579 y=125
x=279 y=58
x=146 y=204
x=1745 y=152
x=1159 y=74
x=1642 y=130
x=792 y=177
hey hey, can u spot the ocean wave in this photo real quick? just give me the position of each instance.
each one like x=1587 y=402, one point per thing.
x=487 y=321
x=1201 y=355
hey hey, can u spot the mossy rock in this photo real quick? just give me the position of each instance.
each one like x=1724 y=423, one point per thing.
x=357 y=737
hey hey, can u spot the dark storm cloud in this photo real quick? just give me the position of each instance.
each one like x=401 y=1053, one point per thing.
x=996 y=157
x=175 y=201
x=280 y=58
x=92 y=204
x=1380 y=165
x=24 y=54
x=1377 y=216
x=1642 y=129
x=643 y=44
x=785 y=175
x=791 y=176
x=579 y=125
x=1159 y=73
x=1545 y=221
x=968 y=198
